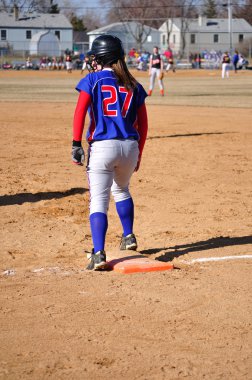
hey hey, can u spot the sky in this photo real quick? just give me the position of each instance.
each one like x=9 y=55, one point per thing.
x=89 y=4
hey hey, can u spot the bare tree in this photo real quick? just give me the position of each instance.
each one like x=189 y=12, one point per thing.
x=3 y=6
x=171 y=11
x=244 y=11
x=146 y=13
x=92 y=20
x=26 y=6
x=126 y=11
x=140 y=33
x=67 y=10
x=187 y=10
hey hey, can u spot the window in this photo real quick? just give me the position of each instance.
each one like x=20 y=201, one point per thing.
x=3 y=34
x=193 y=39
x=164 y=39
x=57 y=33
x=240 y=37
x=211 y=23
x=28 y=34
x=174 y=38
x=216 y=38
x=149 y=38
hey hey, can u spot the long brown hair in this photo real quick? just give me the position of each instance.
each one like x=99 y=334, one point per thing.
x=123 y=75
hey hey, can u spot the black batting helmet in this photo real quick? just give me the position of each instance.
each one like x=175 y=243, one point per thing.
x=106 y=49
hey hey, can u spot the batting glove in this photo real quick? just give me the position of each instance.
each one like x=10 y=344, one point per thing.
x=78 y=155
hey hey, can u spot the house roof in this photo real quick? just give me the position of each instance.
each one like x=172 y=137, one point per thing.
x=119 y=27
x=34 y=20
x=218 y=25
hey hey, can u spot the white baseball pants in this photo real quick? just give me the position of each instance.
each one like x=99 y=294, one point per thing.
x=110 y=167
x=168 y=66
x=155 y=72
x=225 y=70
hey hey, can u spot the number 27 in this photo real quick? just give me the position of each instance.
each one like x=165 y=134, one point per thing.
x=112 y=99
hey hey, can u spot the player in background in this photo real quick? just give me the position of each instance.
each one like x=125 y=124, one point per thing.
x=225 y=65
x=156 y=69
x=85 y=64
x=116 y=136
x=235 y=60
x=69 y=64
x=170 y=60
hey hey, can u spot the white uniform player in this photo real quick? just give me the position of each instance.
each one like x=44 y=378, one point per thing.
x=225 y=65
x=156 y=69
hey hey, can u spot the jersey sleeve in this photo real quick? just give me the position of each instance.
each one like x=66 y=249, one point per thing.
x=141 y=95
x=85 y=85
x=79 y=115
x=142 y=120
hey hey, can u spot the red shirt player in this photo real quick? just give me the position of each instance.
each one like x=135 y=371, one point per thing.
x=170 y=63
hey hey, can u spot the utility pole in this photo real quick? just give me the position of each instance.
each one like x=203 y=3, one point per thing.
x=229 y=5
x=230 y=25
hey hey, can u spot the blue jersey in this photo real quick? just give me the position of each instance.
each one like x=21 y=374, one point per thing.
x=113 y=109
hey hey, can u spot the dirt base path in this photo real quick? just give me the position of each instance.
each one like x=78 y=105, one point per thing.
x=193 y=200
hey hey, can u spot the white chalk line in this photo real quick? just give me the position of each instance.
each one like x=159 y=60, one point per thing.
x=209 y=259
x=64 y=272
x=51 y=270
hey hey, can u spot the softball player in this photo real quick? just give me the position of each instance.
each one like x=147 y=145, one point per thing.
x=69 y=64
x=156 y=69
x=85 y=64
x=225 y=65
x=116 y=136
x=170 y=62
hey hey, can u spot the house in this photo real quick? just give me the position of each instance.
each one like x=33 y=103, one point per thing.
x=204 y=34
x=80 y=42
x=35 y=34
x=130 y=35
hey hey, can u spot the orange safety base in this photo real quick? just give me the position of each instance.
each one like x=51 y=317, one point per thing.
x=135 y=264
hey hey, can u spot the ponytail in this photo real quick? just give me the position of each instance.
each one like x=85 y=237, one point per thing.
x=124 y=78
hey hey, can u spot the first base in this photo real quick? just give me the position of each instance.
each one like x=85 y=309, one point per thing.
x=137 y=263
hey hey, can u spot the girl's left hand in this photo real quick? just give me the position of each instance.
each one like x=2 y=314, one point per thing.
x=78 y=155
x=138 y=164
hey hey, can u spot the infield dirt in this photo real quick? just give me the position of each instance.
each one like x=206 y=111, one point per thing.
x=192 y=199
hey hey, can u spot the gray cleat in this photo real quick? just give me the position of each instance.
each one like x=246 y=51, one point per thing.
x=97 y=261
x=128 y=242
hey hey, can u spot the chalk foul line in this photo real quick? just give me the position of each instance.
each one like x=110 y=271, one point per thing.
x=208 y=259
x=57 y=270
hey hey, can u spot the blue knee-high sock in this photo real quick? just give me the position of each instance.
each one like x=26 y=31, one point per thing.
x=125 y=210
x=99 y=226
